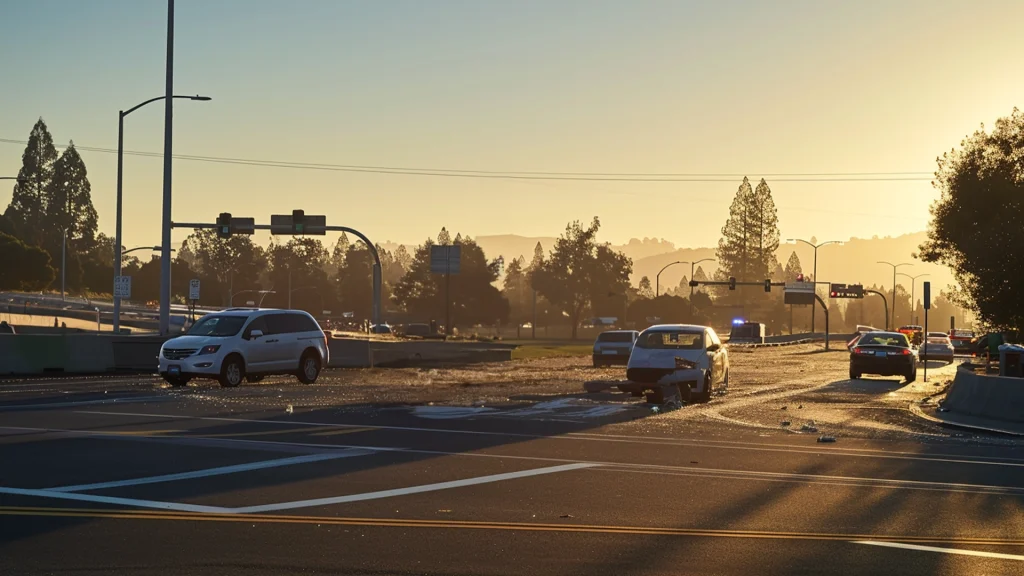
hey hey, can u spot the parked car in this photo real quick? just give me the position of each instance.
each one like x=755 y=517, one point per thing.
x=246 y=343
x=937 y=348
x=961 y=340
x=884 y=354
x=614 y=347
x=380 y=329
x=681 y=354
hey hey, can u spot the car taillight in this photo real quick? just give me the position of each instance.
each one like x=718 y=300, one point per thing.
x=906 y=352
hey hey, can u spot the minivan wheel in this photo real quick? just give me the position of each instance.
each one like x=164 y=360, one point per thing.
x=309 y=368
x=232 y=372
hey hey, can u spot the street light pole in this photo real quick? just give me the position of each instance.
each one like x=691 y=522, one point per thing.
x=815 y=272
x=63 y=262
x=913 y=302
x=657 y=278
x=894 y=267
x=692 y=265
x=165 y=236
x=117 y=218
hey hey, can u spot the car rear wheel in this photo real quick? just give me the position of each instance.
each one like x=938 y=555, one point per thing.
x=309 y=368
x=854 y=374
x=705 y=394
x=232 y=372
x=911 y=376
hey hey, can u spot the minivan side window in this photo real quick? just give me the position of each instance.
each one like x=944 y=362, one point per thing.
x=714 y=337
x=278 y=323
x=302 y=323
x=257 y=323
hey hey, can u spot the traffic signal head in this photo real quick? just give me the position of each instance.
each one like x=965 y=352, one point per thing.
x=224 y=225
x=298 y=222
x=732 y=283
x=767 y=284
x=799 y=277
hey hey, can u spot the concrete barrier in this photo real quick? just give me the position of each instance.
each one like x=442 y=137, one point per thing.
x=77 y=353
x=362 y=353
x=996 y=397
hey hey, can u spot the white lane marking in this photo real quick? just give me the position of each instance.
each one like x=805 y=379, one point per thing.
x=123 y=400
x=214 y=471
x=760 y=447
x=290 y=505
x=852 y=481
x=959 y=551
x=620 y=466
x=410 y=490
x=114 y=500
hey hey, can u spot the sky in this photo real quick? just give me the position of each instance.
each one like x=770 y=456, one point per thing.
x=588 y=86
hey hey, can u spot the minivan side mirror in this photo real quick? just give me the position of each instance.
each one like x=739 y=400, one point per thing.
x=713 y=347
x=254 y=334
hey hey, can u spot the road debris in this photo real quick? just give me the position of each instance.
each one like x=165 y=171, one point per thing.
x=809 y=428
x=826 y=439
x=289 y=409
x=566 y=516
x=784 y=423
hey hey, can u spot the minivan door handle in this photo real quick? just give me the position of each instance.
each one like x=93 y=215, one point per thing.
x=271 y=340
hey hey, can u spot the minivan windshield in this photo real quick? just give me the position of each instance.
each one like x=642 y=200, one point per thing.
x=215 y=325
x=672 y=340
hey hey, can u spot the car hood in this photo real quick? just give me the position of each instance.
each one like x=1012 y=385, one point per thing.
x=665 y=357
x=192 y=341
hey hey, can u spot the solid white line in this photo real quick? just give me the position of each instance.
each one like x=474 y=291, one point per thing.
x=214 y=471
x=760 y=447
x=114 y=500
x=959 y=551
x=122 y=400
x=410 y=490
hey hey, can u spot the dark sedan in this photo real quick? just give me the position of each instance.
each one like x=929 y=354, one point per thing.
x=884 y=354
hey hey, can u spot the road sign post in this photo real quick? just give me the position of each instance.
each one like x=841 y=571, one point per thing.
x=446 y=260
x=927 y=306
x=123 y=287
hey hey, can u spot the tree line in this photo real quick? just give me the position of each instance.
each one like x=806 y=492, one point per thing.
x=577 y=279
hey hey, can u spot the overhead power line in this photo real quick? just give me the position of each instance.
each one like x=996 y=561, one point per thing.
x=514 y=175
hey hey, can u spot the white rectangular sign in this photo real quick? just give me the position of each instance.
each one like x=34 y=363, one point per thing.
x=122 y=286
x=193 y=289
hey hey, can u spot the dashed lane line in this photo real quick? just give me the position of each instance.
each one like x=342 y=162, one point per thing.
x=726 y=445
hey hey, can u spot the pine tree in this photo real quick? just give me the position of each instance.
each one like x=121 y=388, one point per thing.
x=338 y=253
x=402 y=257
x=69 y=204
x=27 y=211
x=644 y=289
x=793 y=267
x=750 y=236
x=444 y=238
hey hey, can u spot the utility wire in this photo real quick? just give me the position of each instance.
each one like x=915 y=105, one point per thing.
x=573 y=176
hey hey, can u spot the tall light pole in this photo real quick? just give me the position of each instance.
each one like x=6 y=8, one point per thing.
x=657 y=278
x=815 y=272
x=894 y=267
x=692 y=265
x=120 y=163
x=63 y=261
x=913 y=303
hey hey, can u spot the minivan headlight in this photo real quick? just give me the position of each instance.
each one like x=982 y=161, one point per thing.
x=211 y=349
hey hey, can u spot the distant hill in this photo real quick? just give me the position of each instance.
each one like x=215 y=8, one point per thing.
x=513 y=246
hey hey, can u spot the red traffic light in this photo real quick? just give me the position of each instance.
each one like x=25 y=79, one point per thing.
x=799 y=277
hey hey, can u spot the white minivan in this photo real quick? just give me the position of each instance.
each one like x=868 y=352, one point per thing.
x=246 y=344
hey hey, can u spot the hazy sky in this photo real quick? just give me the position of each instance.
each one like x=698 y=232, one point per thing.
x=569 y=86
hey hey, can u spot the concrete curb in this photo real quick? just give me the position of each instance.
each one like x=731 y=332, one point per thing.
x=959 y=424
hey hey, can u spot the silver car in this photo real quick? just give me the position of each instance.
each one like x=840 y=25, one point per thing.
x=614 y=347
x=936 y=348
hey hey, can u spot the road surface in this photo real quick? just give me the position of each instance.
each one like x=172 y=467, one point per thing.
x=501 y=474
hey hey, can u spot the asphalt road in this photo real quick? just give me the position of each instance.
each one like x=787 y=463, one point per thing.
x=121 y=475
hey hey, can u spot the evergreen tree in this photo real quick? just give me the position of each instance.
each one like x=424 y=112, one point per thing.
x=517 y=291
x=793 y=268
x=443 y=238
x=338 y=253
x=750 y=236
x=68 y=199
x=26 y=213
x=644 y=289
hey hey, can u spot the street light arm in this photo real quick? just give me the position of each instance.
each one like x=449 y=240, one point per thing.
x=671 y=264
x=801 y=240
x=151 y=100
